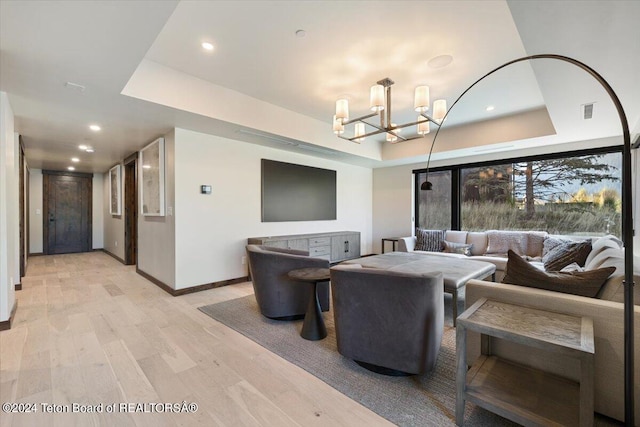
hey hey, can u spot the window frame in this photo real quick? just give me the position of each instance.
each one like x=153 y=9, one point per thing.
x=456 y=169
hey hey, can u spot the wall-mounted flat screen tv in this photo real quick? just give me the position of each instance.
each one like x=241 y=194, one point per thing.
x=297 y=193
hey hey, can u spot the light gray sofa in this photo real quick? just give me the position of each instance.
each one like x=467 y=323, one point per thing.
x=606 y=311
x=389 y=321
x=492 y=246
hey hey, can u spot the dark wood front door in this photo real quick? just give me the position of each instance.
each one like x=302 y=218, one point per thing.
x=130 y=211
x=67 y=208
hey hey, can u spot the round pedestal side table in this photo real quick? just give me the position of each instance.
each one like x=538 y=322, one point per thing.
x=313 y=328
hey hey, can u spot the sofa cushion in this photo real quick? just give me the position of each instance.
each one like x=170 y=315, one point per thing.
x=429 y=240
x=479 y=241
x=535 y=243
x=457 y=248
x=567 y=253
x=455 y=236
x=585 y=283
x=499 y=242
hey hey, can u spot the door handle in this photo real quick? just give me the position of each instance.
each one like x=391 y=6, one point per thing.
x=52 y=218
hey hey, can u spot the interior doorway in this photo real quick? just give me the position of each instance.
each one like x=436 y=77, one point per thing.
x=131 y=210
x=67 y=212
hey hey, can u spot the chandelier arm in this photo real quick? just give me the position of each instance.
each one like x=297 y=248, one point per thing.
x=359 y=119
x=627 y=217
x=349 y=139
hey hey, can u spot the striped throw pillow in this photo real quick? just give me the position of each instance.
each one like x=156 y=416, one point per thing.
x=429 y=240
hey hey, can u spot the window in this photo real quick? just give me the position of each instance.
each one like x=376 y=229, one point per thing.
x=434 y=206
x=569 y=193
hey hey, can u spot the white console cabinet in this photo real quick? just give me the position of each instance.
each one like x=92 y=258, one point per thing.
x=335 y=246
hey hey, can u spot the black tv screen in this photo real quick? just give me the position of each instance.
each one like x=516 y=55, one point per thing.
x=297 y=193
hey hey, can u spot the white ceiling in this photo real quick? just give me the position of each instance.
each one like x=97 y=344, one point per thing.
x=348 y=46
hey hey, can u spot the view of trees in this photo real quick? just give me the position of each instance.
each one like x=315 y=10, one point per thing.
x=569 y=195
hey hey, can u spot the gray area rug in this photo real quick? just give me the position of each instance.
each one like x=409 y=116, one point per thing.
x=424 y=400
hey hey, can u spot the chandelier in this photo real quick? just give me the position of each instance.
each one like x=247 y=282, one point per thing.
x=380 y=104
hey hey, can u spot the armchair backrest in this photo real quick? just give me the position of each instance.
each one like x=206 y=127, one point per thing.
x=388 y=318
x=277 y=294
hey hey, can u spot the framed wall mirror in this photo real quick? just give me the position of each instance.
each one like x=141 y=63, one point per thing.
x=152 y=179
x=115 y=184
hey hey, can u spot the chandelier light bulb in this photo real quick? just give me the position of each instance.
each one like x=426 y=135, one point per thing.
x=421 y=99
x=423 y=128
x=392 y=136
x=342 y=110
x=338 y=128
x=359 y=131
x=376 y=99
x=439 y=110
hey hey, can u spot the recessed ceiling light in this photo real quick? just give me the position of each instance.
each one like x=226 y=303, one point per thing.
x=490 y=108
x=90 y=150
x=75 y=86
x=94 y=128
x=71 y=168
x=207 y=46
x=82 y=147
x=75 y=159
x=146 y=166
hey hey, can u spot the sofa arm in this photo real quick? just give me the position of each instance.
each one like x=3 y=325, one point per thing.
x=406 y=244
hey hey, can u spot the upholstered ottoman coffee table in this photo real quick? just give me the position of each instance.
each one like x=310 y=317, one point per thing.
x=456 y=272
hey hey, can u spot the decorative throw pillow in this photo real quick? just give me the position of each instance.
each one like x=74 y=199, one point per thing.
x=567 y=253
x=550 y=243
x=429 y=240
x=499 y=242
x=457 y=248
x=584 y=283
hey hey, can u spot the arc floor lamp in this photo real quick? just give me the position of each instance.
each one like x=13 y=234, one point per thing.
x=627 y=216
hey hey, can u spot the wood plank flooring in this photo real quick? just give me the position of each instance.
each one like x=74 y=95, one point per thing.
x=89 y=330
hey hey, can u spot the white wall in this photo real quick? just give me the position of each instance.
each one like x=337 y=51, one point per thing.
x=157 y=235
x=36 y=242
x=113 y=225
x=9 y=209
x=212 y=230
x=392 y=204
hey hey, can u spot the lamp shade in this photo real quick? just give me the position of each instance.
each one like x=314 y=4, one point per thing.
x=439 y=110
x=359 y=131
x=421 y=99
x=338 y=127
x=342 y=110
x=423 y=127
x=376 y=99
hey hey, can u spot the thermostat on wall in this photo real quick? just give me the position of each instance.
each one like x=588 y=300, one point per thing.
x=205 y=189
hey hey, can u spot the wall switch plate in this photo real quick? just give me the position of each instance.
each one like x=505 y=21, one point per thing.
x=169 y=210
x=37 y=211
x=205 y=189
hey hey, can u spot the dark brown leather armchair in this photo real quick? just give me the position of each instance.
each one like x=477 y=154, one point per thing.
x=278 y=296
x=388 y=321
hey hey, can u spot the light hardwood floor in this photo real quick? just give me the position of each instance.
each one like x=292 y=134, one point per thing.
x=89 y=330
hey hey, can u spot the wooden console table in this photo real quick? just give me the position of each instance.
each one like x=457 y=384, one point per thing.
x=522 y=394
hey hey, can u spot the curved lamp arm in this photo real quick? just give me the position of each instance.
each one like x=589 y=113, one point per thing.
x=627 y=216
